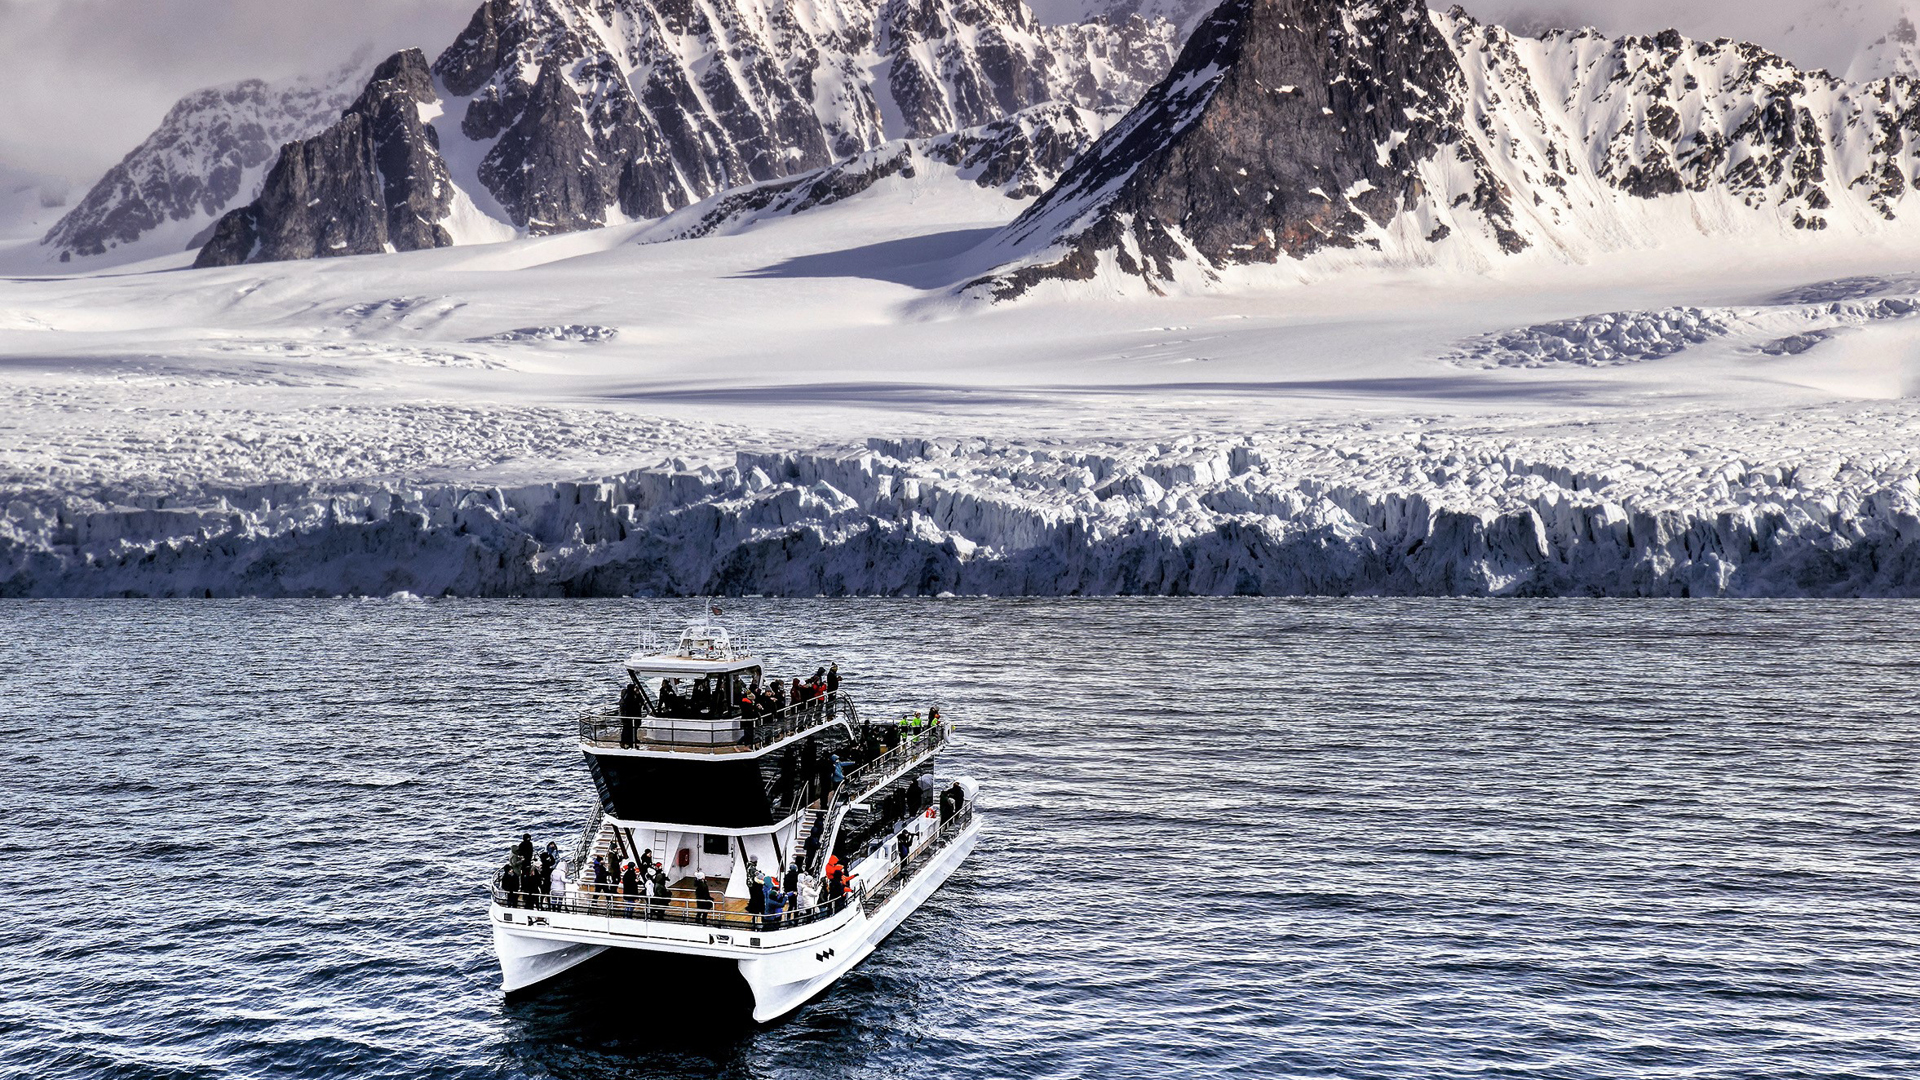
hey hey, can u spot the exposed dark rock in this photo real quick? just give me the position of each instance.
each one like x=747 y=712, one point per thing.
x=372 y=182
x=1292 y=128
x=1286 y=127
x=679 y=102
x=209 y=152
x=601 y=109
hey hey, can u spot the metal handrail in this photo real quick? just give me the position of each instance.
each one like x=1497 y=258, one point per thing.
x=589 y=836
x=874 y=775
x=940 y=838
x=611 y=903
x=735 y=733
x=651 y=643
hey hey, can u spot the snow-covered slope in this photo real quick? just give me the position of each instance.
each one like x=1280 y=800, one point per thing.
x=1019 y=156
x=1321 y=134
x=208 y=155
x=1185 y=14
x=30 y=202
x=1897 y=52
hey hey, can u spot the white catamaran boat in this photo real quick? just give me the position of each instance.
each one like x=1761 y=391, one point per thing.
x=716 y=783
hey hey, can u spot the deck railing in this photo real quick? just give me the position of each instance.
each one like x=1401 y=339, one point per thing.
x=865 y=780
x=589 y=836
x=726 y=733
x=861 y=783
x=611 y=903
x=881 y=886
x=678 y=909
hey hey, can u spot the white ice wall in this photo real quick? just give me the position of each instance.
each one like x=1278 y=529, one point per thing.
x=1788 y=504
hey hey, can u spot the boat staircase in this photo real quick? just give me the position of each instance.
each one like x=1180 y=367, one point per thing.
x=862 y=783
x=812 y=823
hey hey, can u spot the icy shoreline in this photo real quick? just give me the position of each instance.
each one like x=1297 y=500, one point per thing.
x=1819 y=501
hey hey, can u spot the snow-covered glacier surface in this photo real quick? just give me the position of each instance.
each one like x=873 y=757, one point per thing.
x=1630 y=508
x=796 y=407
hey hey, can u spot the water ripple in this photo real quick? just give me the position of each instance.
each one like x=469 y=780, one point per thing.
x=1268 y=838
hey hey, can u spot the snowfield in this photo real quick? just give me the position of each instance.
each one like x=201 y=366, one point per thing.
x=803 y=407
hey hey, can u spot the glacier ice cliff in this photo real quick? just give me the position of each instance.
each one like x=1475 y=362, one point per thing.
x=1354 y=508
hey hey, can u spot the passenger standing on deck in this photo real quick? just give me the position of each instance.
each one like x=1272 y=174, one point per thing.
x=702 y=900
x=632 y=705
x=772 y=903
x=557 y=887
x=833 y=678
x=662 y=893
x=600 y=877
x=906 y=845
x=813 y=845
x=629 y=888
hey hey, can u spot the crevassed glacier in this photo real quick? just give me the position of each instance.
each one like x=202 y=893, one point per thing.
x=1613 y=508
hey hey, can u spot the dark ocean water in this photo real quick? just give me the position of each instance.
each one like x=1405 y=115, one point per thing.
x=1329 y=838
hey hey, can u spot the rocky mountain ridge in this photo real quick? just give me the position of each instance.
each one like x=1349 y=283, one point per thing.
x=666 y=106
x=562 y=115
x=210 y=152
x=373 y=181
x=1382 y=133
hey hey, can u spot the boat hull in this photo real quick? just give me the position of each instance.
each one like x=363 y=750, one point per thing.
x=526 y=959
x=781 y=977
x=786 y=981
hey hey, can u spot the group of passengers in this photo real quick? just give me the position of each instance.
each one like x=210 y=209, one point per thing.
x=709 y=698
x=642 y=886
x=773 y=697
x=535 y=881
x=809 y=772
x=900 y=807
x=767 y=901
x=538 y=880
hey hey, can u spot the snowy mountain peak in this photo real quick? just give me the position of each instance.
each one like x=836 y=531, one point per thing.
x=209 y=153
x=560 y=115
x=373 y=181
x=1897 y=52
x=1286 y=128
x=1338 y=132
x=584 y=114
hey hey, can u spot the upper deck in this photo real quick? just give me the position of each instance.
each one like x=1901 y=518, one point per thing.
x=720 y=735
x=707 y=694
